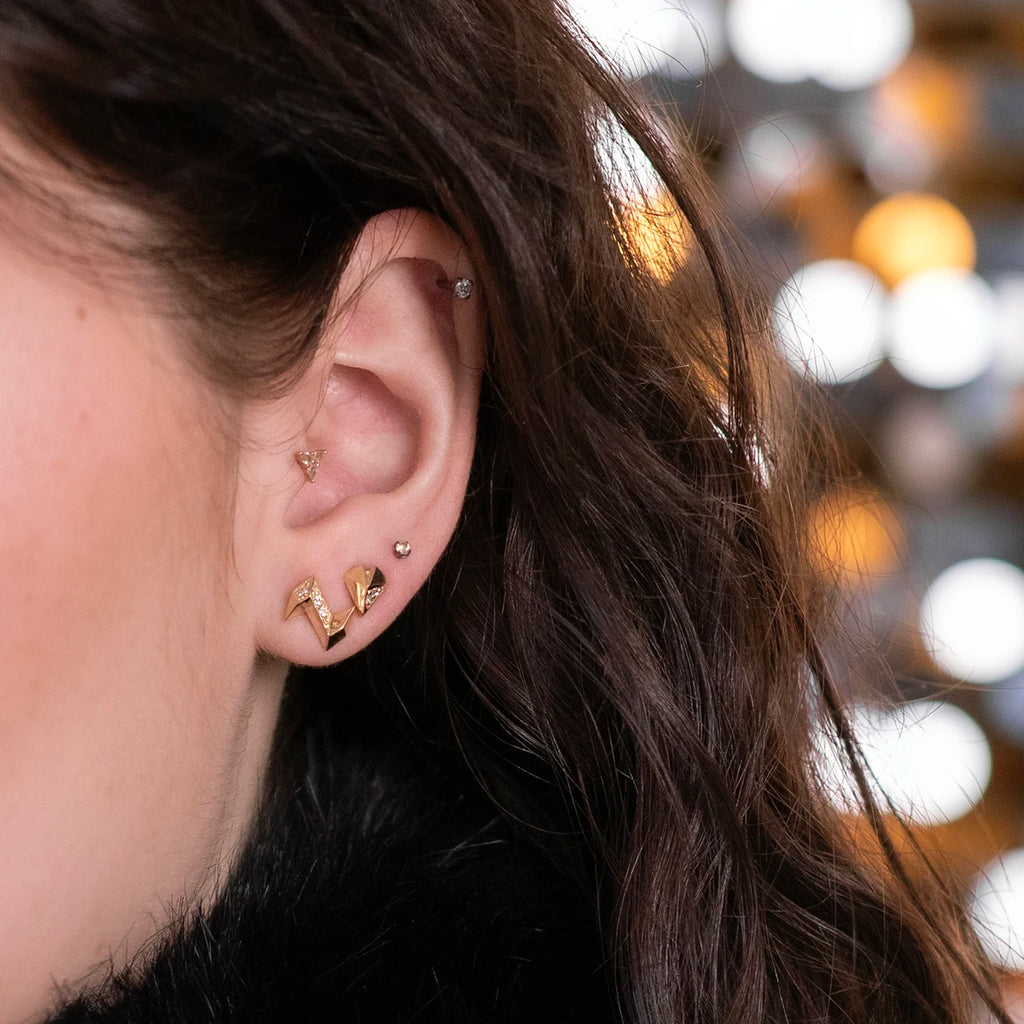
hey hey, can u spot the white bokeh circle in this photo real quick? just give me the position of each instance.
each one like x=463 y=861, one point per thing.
x=828 y=320
x=997 y=909
x=942 y=331
x=778 y=154
x=678 y=38
x=972 y=618
x=627 y=170
x=930 y=758
x=842 y=45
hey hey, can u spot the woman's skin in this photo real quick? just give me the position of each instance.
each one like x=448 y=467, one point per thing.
x=150 y=535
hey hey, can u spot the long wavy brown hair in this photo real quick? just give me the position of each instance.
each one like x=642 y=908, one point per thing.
x=621 y=640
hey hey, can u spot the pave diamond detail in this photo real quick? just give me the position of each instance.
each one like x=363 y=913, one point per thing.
x=310 y=462
x=308 y=596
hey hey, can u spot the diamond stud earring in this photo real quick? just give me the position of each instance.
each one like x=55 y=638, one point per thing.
x=310 y=462
x=463 y=288
x=402 y=549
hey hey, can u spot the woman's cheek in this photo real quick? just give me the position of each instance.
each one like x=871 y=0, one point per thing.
x=114 y=570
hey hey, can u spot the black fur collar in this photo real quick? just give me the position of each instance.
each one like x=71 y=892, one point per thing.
x=379 y=891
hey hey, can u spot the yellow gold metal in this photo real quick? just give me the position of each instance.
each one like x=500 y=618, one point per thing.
x=329 y=627
x=310 y=462
x=364 y=586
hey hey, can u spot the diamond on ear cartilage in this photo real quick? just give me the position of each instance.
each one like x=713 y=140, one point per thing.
x=310 y=462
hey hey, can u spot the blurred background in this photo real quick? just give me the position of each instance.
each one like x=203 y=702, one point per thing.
x=872 y=154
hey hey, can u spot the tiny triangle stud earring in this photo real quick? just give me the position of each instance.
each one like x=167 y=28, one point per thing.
x=364 y=586
x=310 y=462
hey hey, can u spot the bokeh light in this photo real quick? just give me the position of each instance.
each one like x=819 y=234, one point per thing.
x=942 y=328
x=930 y=758
x=934 y=95
x=972 y=618
x=656 y=229
x=918 y=116
x=925 y=454
x=911 y=232
x=660 y=235
x=680 y=39
x=854 y=534
x=780 y=155
x=896 y=156
x=844 y=46
x=828 y=319
x=1009 y=357
x=997 y=907
x=627 y=170
x=770 y=39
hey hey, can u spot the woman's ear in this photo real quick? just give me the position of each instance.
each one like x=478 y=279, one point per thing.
x=391 y=401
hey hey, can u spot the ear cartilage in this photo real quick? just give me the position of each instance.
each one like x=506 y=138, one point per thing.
x=328 y=627
x=463 y=288
x=310 y=462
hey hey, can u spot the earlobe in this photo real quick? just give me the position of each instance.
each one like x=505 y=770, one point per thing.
x=385 y=421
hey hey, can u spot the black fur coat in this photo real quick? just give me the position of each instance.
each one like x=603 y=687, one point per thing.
x=379 y=889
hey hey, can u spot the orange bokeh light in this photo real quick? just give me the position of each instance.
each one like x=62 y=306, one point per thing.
x=659 y=234
x=931 y=98
x=911 y=232
x=854 y=534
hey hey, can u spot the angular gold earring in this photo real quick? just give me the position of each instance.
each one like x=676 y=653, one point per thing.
x=364 y=586
x=328 y=626
x=310 y=462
